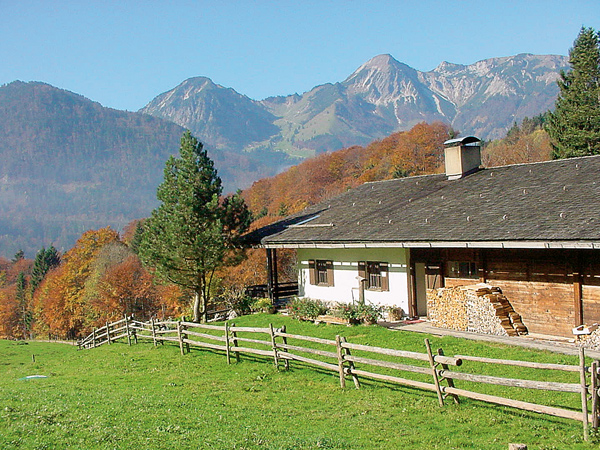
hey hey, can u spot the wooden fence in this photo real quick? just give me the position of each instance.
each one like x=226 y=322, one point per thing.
x=353 y=361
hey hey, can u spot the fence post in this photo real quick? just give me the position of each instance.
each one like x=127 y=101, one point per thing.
x=595 y=398
x=180 y=335
x=350 y=369
x=153 y=330
x=450 y=381
x=286 y=362
x=108 y=333
x=340 y=355
x=584 y=409
x=127 y=329
x=94 y=338
x=227 y=343
x=436 y=380
x=274 y=346
x=235 y=342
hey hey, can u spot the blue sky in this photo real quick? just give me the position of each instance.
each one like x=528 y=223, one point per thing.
x=124 y=53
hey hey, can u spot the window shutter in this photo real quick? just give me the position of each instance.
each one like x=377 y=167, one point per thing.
x=312 y=272
x=362 y=269
x=329 y=273
x=385 y=283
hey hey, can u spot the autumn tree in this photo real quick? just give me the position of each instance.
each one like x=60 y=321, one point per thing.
x=9 y=313
x=574 y=126
x=524 y=143
x=61 y=303
x=194 y=231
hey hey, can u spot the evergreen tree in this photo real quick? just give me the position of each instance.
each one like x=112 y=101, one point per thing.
x=193 y=232
x=18 y=256
x=574 y=126
x=44 y=261
x=134 y=245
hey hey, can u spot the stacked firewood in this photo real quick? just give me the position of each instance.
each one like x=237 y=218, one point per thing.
x=478 y=308
x=446 y=308
x=590 y=341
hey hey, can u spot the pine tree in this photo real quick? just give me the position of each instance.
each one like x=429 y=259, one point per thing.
x=44 y=261
x=194 y=231
x=18 y=256
x=574 y=126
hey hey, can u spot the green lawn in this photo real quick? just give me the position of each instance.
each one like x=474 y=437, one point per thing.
x=141 y=397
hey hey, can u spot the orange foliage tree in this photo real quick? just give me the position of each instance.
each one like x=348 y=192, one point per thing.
x=61 y=303
x=127 y=289
x=15 y=301
x=100 y=279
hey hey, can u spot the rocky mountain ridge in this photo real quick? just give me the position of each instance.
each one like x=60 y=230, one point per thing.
x=382 y=96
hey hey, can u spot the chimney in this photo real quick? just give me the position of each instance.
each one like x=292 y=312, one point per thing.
x=462 y=156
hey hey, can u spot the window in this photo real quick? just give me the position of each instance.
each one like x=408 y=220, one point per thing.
x=462 y=269
x=375 y=273
x=320 y=272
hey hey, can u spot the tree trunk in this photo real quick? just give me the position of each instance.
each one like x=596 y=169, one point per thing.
x=199 y=307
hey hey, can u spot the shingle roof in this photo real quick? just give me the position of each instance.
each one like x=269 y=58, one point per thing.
x=544 y=202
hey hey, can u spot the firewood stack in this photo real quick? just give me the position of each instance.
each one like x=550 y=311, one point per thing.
x=446 y=308
x=478 y=308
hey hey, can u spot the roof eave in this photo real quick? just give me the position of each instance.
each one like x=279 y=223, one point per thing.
x=441 y=244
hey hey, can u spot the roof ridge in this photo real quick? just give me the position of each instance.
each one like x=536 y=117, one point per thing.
x=543 y=162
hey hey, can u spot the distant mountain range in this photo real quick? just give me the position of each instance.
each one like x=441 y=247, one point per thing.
x=382 y=96
x=68 y=164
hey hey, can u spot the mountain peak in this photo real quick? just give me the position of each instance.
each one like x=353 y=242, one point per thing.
x=384 y=63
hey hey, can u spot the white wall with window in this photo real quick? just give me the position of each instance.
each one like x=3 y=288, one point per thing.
x=332 y=275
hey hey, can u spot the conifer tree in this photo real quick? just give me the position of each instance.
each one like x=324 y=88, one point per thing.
x=194 y=231
x=574 y=126
x=45 y=260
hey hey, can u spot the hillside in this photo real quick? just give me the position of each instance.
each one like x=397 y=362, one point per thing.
x=70 y=165
x=381 y=97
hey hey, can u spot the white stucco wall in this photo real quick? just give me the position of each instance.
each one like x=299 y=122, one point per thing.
x=345 y=265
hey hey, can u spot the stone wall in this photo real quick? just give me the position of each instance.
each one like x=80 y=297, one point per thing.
x=478 y=308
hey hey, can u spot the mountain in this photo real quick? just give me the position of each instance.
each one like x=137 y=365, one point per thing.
x=380 y=97
x=70 y=165
x=221 y=116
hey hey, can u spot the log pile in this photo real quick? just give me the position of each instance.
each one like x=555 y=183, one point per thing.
x=590 y=341
x=447 y=308
x=479 y=308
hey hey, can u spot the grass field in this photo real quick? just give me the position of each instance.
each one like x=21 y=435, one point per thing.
x=141 y=397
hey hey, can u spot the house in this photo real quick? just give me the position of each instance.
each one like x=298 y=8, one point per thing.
x=533 y=230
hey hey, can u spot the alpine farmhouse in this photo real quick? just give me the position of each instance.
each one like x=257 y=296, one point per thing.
x=531 y=230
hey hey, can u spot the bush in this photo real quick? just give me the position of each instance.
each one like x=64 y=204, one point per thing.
x=347 y=311
x=262 y=305
x=306 y=308
x=238 y=301
x=367 y=313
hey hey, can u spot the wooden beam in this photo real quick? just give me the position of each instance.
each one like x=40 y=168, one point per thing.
x=270 y=292
x=275 y=282
x=412 y=290
x=577 y=298
x=482 y=266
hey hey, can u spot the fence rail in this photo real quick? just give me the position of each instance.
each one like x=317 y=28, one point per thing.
x=336 y=356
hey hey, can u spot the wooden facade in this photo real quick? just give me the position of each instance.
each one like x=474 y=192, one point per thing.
x=553 y=290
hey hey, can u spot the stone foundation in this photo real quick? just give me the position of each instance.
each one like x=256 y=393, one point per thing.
x=479 y=308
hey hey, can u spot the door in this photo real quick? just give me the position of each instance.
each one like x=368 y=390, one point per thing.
x=427 y=276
